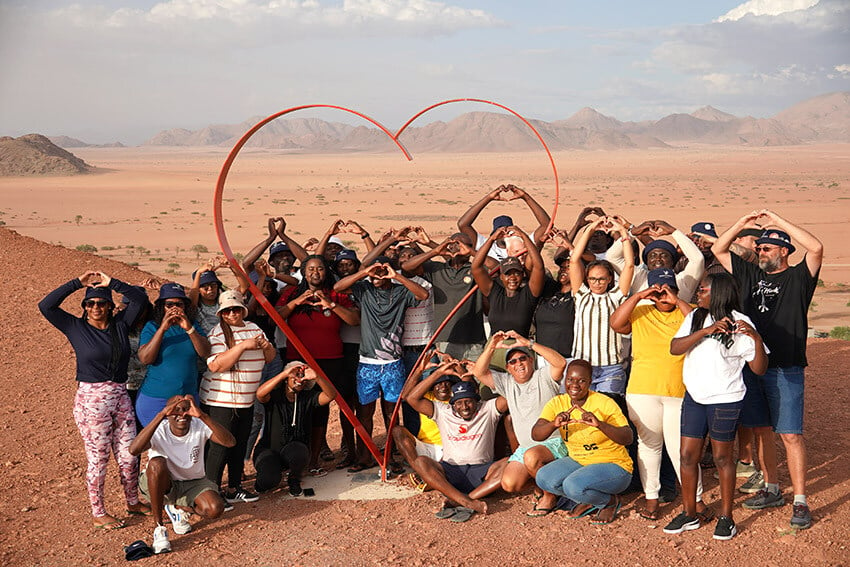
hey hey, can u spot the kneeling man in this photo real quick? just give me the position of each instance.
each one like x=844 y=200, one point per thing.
x=174 y=478
x=467 y=426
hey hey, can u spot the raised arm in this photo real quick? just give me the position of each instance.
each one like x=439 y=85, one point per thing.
x=254 y=253
x=464 y=223
x=813 y=246
x=721 y=246
x=577 y=266
x=539 y=212
x=556 y=362
x=481 y=369
x=477 y=268
x=627 y=272
x=537 y=274
x=296 y=249
x=419 y=292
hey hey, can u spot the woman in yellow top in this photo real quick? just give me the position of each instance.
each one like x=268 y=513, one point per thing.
x=596 y=433
x=655 y=390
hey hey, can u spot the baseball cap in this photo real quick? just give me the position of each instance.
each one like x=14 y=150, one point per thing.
x=777 y=237
x=463 y=390
x=500 y=221
x=172 y=290
x=664 y=245
x=706 y=228
x=662 y=276
x=511 y=263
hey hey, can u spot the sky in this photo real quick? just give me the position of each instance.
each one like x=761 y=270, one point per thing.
x=107 y=70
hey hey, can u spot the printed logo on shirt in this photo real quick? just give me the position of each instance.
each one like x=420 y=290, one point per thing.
x=195 y=454
x=462 y=429
x=765 y=294
x=725 y=339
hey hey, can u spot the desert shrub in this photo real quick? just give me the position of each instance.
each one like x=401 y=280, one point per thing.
x=842 y=333
x=87 y=248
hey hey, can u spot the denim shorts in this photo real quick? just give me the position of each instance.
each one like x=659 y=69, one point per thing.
x=775 y=400
x=375 y=379
x=609 y=379
x=718 y=421
x=555 y=445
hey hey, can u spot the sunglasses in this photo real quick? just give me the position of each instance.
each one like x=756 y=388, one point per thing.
x=229 y=310
x=517 y=359
x=760 y=249
x=95 y=302
x=175 y=304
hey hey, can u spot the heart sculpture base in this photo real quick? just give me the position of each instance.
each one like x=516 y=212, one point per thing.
x=384 y=456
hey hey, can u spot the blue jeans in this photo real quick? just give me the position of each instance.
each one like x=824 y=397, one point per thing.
x=585 y=484
x=609 y=379
x=775 y=399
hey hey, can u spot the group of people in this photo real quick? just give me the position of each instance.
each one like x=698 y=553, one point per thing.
x=641 y=342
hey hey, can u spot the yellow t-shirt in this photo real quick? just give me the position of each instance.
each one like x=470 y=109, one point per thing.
x=655 y=371
x=428 y=430
x=588 y=445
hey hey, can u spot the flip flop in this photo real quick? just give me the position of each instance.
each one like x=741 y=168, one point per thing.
x=109 y=526
x=318 y=472
x=346 y=462
x=539 y=512
x=599 y=521
x=462 y=514
x=574 y=515
x=651 y=515
x=445 y=513
x=142 y=512
x=359 y=467
x=326 y=454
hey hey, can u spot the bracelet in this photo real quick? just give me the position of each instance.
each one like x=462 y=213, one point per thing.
x=531 y=343
x=332 y=306
x=364 y=235
x=190 y=331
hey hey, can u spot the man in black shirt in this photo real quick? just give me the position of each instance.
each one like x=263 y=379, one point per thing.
x=776 y=296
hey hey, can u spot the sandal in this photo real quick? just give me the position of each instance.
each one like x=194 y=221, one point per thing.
x=651 y=515
x=346 y=462
x=109 y=526
x=417 y=483
x=445 y=513
x=580 y=512
x=326 y=454
x=539 y=512
x=462 y=514
x=359 y=467
x=319 y=471
x=603 y=521
x=143 y=511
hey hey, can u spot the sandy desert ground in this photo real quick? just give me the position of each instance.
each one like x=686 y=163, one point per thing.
x=150 y=206
x=159 y=200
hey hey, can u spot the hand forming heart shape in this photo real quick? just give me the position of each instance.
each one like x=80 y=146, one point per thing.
x=510 y=194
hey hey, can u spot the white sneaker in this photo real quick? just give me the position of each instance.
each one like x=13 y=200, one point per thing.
x=160 y=540
x=179 y=519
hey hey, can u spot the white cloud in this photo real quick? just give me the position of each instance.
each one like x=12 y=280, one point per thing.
x=765 y=8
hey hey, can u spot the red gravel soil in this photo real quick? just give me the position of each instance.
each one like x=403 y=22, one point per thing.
x=45 y=517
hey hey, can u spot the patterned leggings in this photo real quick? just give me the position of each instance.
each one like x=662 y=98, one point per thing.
x=104 y=415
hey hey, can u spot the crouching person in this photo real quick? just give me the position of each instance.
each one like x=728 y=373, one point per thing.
x=466 y=473
x=285 y=443
x=174 y=479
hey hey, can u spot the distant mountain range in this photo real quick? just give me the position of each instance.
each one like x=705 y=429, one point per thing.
x=825 y=118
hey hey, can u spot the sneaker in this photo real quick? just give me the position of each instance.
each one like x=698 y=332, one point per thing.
x=160 y=540
x=801 y=519
x=295 y=487
x=764 y=499
x=179 y=519
x=682 y=523
x=753 y=484
x=725 y=528
x=745 y=470
x=241 y=495
x=228 y=507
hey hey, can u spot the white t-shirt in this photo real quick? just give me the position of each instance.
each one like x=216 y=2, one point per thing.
x=526 y=401
x=712 y=372
x=184 y=456
x=467 y=442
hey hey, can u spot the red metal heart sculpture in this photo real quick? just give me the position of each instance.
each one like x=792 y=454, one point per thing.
x=381 y=457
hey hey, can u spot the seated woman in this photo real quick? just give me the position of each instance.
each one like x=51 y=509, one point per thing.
x=596 y=432
x=717 y=341
x=512 y=297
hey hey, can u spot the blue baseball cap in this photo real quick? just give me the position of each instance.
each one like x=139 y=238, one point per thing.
x=172 y=290
x=500 y=221
x=664 y=245
x=278 y=247
x=706 y=228
x=662 y=276
x=463 y=390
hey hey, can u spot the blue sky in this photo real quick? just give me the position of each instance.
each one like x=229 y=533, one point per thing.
x=105 y=71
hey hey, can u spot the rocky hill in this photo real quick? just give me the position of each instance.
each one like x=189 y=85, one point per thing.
x=34 y=154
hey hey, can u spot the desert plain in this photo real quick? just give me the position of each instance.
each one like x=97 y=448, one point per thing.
x=148 y=210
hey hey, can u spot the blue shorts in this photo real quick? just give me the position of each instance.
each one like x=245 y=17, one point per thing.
x=375 y=379
x=555 y=445
x=609 y=379
x=465 y=478
x=718 y=421
x=775 y=400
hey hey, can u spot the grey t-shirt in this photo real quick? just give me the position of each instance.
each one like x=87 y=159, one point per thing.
x=381 y=318
x=450 y=285
x=467 y=442
x=526 y=401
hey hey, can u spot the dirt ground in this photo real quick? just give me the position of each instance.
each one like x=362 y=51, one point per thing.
x=44 y=512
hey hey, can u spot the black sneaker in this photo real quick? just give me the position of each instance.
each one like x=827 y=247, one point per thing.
x=801 y=519
x=241 y=495
x=682 y=523
x=295 y=487
x=228 y=507
x=764 y=499
x=725 y=528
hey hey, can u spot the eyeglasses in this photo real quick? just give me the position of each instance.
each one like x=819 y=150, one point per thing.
x=760 y=249
x=95 y=302
x=703 y=289
x=598 y=280
x=229 y=310
x=516 y=359
x=174 y=304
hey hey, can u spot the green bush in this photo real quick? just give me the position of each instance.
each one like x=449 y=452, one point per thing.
x=87 y=248
x=842 y=333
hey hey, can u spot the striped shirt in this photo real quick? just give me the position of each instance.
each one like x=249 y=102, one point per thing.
x=237 y=387
x=419 y=319
x=594 y=340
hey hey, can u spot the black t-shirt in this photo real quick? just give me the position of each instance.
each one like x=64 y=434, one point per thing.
x=281 y=414
x=554 y=318
x=778 y=304
x=511 y=313
x=449 y=286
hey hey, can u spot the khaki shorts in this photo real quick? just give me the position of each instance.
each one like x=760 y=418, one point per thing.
x=183 y=492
